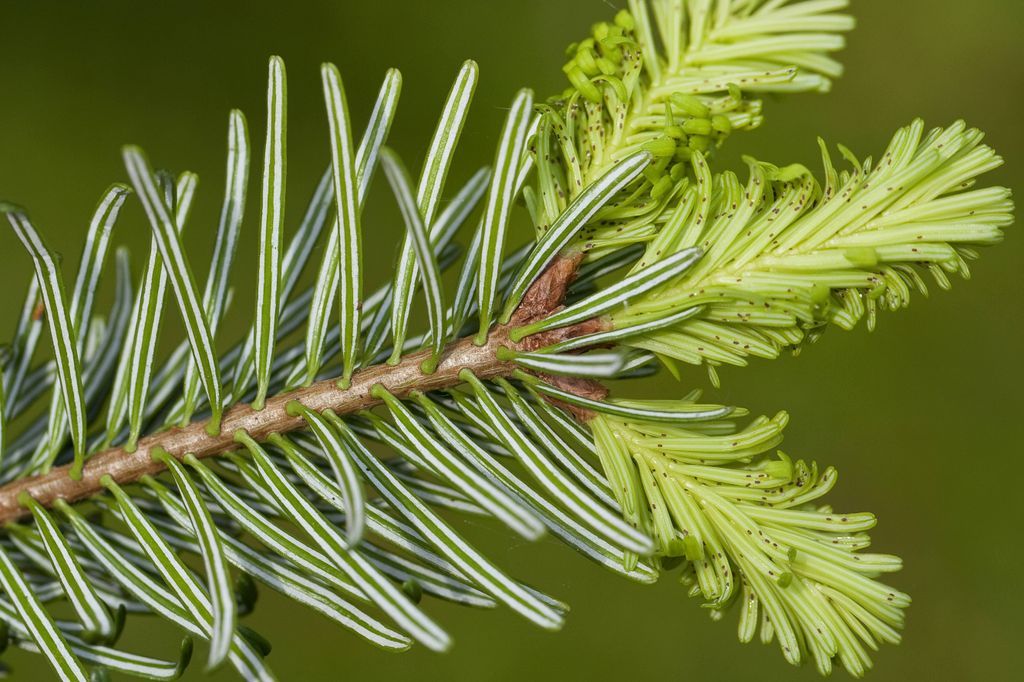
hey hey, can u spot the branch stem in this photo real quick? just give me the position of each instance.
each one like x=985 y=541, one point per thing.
x=399 y=379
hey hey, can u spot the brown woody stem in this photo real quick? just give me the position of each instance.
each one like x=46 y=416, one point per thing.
x=543 y=297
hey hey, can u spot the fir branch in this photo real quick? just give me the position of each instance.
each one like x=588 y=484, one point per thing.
x=273 y=480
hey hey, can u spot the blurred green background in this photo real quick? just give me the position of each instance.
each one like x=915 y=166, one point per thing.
x=919 y=416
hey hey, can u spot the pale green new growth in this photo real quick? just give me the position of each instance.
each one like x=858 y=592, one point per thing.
x=119 y=478
x=786 y=256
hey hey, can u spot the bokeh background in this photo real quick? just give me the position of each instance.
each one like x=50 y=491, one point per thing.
x=922 y=417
